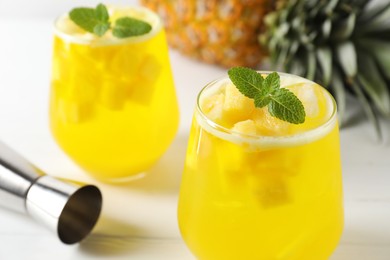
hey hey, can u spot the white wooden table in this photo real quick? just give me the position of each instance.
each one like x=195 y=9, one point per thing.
x=139 y=219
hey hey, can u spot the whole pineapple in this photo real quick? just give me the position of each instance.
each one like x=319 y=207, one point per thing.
x=222 y=32
x=341 y=44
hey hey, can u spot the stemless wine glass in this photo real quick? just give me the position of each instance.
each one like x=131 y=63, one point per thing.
x=113 y=106
x=252 y=196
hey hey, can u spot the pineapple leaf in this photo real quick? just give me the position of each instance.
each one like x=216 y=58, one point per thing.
x=296 y=67
x=311 y=3
x=373 y=84
x=368 y=109
x=381 y=102
x=331 y=6
x=361 y=3
x=338 y=86
x=370 y=14
x=272 y=44
x=380 y=35
x=311 y=65
x=330 y=42
x=270 y=19
x=315 y=10
x=283 y=53
x=378 y=19
x=381 y=51
x=294 y=46
x=326 y=28
x=347 y=58
x=345 y=28
x=324 y=58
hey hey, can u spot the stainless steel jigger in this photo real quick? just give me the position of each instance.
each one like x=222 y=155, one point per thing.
x=66 y=208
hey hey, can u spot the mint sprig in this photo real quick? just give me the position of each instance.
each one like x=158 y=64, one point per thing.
x=281 y=102
x=93 y=20
x=127 y=26
x=97 y=21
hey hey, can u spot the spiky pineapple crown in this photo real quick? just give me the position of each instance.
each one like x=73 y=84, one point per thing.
x=341 y=44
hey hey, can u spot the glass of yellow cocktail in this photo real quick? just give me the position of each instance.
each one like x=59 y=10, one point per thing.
x=113 y=107
x=256 y=187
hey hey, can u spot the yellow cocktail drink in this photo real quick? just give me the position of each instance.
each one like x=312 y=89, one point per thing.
x=256 y=187
x=113 y=106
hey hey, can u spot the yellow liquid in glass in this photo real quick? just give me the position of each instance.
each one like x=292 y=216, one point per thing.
x=257 y=198
x=113 y=106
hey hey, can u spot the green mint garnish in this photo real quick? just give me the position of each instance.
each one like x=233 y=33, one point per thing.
x=92 y=20
x=127 y=26
x=281 y=102
x=97 y=21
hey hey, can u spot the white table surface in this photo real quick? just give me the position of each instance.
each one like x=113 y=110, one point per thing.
x=139 y=219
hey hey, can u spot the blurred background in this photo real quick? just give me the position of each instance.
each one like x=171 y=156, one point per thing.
x=132 y=230
x=43 y=9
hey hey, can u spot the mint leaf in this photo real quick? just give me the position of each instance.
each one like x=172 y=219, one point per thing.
x=262 y=100
x=281 y=102
x=84 y=17
x=272 y=82
x=127 y=26
x=101 y=28
x=92 y=20
x=247 y=81
x=101 y=13
x=286 y=106
x=97 y=21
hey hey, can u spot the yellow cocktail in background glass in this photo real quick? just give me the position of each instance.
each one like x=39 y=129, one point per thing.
x=113 y=106
x=256 y=187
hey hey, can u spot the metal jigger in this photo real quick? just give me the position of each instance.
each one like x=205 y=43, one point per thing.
x=68 y=209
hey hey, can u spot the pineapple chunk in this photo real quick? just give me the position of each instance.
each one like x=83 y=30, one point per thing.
x=245 y=127
x=113 y=94
x=144 y=85
x=272 y=192
x=268 y=125
x=74 y=112
x=212 y=106
x=308 y=94
x=236 y=107
x=81 y=89
x=268 y=177
x=315 y=103
x=150 y=68
x=125 y=63
x=141 y=92
x=231 y=165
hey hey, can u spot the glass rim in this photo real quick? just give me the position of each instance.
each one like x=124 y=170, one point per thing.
x=156 y=27
x=305 y=136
